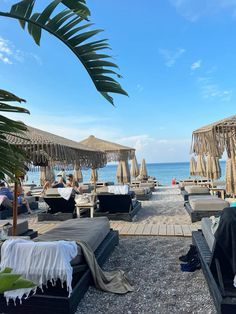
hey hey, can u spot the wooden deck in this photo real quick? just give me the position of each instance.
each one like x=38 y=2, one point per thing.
x=132 y=229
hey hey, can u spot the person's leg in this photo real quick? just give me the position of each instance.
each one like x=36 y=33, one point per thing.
x=26 y=203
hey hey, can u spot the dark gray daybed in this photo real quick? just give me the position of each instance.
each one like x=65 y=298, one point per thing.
x=200 y=207
x=117 y=206
x=97 y=233
x=223 y=293
x=194 y=190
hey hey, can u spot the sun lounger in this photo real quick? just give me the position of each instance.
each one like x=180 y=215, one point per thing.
x=142 y=194
x=57 y=203
x=194 y=190
x=54 y=299
x=221 y=287
x=117 y=206
x=205 y=206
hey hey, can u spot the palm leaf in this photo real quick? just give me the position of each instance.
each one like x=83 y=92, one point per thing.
x=71 y=27
x=16 y=157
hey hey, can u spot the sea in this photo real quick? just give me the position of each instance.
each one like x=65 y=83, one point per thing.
x=163 y=172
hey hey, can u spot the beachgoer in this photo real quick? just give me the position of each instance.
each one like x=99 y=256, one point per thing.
x=60 y=183
x=71 y=182
x=173 y=181
x=20 y=196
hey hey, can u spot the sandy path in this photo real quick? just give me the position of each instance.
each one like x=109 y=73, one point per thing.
x=165 y=207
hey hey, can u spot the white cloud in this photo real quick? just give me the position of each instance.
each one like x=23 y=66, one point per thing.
x=158 y=150
x=9 y=53
x=211 y=90
x=193 y=10
x=170 y=57
x=196 y=65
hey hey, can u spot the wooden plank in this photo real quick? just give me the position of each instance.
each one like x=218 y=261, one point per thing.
x=155 y=229
x=147 y=229
x=194 y=227
x=132 y=229
x=187 y=232
x=114 y=225
x=119 y=226
x=139 y=230
x=125 y=229
x=178 y=230
x=170 y=231
x=162 y=230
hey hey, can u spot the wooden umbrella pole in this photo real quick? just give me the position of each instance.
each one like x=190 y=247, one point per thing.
x=15 y=208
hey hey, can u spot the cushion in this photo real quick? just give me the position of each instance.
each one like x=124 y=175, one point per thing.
x=202 y=196
x=207 y=232
x=208 y=204
x=52 y=192
x=192 y=189
x=140 y=191
x=147 y=185
x=91 y=230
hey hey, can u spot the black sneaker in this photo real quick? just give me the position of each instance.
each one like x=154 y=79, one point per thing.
x=190 y=255
x=192 y=266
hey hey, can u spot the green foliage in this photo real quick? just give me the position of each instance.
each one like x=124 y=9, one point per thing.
x=10 y=281
x=11 y=158
x=68 y=21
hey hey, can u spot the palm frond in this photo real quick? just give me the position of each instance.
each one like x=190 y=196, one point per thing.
x=12 y=158
x=71 y=27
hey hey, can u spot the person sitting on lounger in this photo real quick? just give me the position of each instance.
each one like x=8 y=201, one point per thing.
x=20 y=196
x=61 y=183
x=71 y=182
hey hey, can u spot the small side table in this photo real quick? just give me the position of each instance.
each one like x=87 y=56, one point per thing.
x=220 y=190
x=87 y=206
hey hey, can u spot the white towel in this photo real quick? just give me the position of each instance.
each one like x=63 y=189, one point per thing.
x=65 y=192
x=39 y=262
x=118 y=189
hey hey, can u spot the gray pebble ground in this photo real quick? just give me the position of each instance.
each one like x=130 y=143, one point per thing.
x=152 y=265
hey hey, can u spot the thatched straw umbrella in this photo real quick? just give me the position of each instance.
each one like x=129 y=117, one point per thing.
x=94 y=177
x=114 y=152
x=123 y=173
x=39 y=146
x=78 y=176
x=193 y=165
x=214 y=139
x=230 y=175
x=134 y=170
x=143 y=170
x=201 y=166
x=213 y=170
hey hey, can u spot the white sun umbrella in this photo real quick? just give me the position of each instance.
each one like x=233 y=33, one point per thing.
x=143 y=170
x=134 y=170
x=193 y=165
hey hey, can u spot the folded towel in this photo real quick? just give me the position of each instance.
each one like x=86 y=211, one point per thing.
x=65 y=192
x=118 y=189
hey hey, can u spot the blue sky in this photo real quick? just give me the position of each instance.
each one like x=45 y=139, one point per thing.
x=177 y=58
